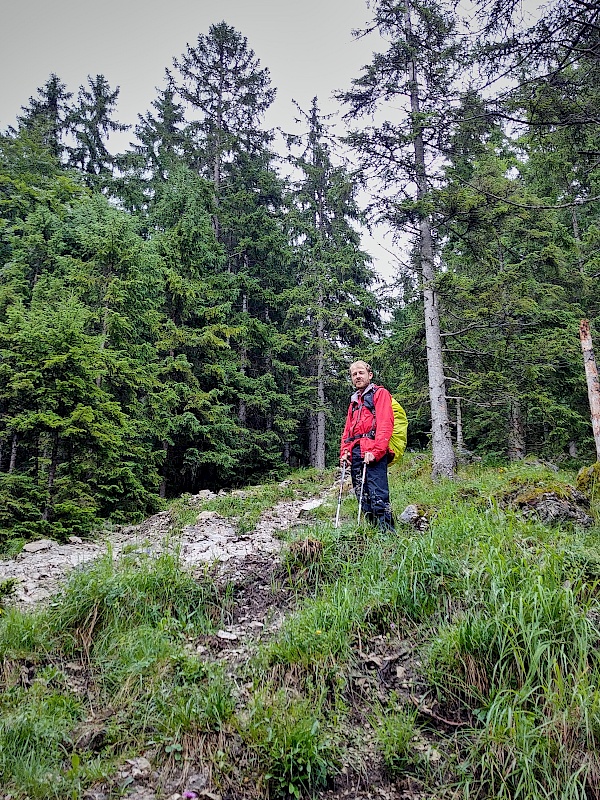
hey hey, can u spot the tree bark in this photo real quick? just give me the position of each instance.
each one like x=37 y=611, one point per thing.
x=516 y=432
x=460 y=442
x=13 y=453
x=162 y=492
x=51 y=476
x=320 y=413
x=593 y=383
x=242 y=410
x=444 y=460
x=312 y=438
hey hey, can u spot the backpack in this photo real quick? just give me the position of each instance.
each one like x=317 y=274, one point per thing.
x=398 y=439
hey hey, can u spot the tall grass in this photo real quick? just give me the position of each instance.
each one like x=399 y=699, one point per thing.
x=501 y=612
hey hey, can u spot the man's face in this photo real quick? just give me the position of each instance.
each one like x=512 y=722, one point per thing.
x=360 y=375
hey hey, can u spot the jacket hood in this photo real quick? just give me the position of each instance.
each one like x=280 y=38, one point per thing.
x=358 y=394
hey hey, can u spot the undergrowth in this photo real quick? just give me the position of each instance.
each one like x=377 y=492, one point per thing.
x=462 y=658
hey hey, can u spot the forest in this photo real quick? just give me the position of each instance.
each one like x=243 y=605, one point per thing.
x=180 y=316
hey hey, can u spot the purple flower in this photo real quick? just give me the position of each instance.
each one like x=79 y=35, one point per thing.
x=187 y=795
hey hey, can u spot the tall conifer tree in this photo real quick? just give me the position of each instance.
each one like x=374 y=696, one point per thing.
x=332 y=306
x=416 y=72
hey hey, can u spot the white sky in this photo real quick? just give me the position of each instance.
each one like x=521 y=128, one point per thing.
x=307 y=45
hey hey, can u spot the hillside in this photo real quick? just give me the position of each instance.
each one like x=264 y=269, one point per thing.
x=458 y=660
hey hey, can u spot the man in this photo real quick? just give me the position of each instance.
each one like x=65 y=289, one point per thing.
x=365 y=440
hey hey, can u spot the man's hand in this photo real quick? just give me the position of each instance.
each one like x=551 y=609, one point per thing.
x=368 y=458
x=345 y=458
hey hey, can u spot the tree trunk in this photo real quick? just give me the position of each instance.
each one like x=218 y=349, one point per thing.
x=242 y=411
x=516 y=432
x=593 y=384
x=443 y=453
x=162 y=491
x=577 y=237
x=13 y=453
x=51 y=476
x=312 y=438
x=573 y=449
x=460 y=442
x=319 y=461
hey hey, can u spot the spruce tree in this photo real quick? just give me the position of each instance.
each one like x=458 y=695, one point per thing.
x=413 y=83
x=331 y=308
x=47 y=115
x=159 y=150
x=229 y=92
x=91 y=122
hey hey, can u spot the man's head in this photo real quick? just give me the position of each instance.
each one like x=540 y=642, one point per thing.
x=361 y=374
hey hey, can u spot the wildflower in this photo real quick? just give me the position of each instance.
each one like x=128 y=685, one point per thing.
x=318 y=631
x=187 y=795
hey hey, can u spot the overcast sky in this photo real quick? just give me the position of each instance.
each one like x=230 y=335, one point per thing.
x=307 y=45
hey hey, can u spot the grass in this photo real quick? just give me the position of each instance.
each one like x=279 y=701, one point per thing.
x=464 y=657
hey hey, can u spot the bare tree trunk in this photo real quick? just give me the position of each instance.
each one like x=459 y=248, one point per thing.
x=573 y=449
x=13 y=453
x=460 y=442
x=444 y=461
x=242 y=410
x=51 y=477
x=319 y=462
x=593 y=383
x=218 y=154
x=516 y=432
x=312 y=438
x=577 y=237
x=162 y=492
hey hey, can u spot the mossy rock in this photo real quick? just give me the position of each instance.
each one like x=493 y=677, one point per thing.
x=551 y=502
x=588 y=478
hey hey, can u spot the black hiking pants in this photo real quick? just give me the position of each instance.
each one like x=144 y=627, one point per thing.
x=376 y=493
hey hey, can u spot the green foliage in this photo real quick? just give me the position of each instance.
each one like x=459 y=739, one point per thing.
x=35 y=728
x=288 y=737
x=394 y=731
x=138 y=589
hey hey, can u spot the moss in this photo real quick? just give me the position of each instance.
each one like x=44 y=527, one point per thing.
x=520 y=493
x=588 y=478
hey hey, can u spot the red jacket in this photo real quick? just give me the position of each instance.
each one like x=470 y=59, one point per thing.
x=359 y=421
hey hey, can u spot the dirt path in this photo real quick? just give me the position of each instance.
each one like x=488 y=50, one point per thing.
x=43 y=565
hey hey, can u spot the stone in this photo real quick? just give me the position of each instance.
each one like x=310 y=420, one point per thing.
x=409 y=515
x=140 y=766
x=207 y=516
x=307 y=508
x=204 y=494
x=40 y=544
x=227 y=635
x=412 y=516
x=75 y=540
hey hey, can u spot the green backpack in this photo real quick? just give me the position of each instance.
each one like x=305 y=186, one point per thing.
x=398 y=439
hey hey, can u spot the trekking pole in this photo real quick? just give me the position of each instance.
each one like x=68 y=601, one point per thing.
x=362 y=489
x=337 y=513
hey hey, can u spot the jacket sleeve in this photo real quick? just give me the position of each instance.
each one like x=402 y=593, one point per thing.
x=345 y=447
x=385 y=424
